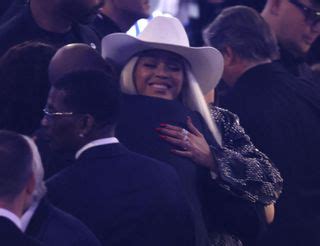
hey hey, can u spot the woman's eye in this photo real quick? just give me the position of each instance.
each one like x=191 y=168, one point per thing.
x=149 y=65
x=174 y=68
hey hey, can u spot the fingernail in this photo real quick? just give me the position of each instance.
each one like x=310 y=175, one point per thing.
x=163 y=124
x=162 y=136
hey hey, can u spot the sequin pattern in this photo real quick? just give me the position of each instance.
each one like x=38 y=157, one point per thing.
x=243 y=169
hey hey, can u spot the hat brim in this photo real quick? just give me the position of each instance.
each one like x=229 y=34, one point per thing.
x=206 y=62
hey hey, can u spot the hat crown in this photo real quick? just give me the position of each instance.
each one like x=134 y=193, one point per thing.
x=165 y=30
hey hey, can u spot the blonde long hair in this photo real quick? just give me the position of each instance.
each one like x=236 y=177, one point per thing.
x=192 y=96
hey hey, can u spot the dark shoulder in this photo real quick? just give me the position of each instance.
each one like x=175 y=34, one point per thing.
x=66 y=227
x=89 y=36
x=13 y=23
x=112 y=160
x=150 y=166
x=13 y=26
x=103 y=25
x=15 y=31
x=12 y=235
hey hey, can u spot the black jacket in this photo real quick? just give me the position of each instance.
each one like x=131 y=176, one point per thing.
x=12 y=235
x=124 y=198
x=281 y=114
x=103 y=25
x=53 y=227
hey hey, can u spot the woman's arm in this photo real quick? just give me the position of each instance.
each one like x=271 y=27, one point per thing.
x=239 y=165
x=242 y=166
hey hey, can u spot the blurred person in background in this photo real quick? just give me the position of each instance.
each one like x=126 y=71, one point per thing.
x=24 y=86
x=296 y=24
x=54 y=22
x=9 y=9
x=17 y=185
x=119 y=15
x=280 y=113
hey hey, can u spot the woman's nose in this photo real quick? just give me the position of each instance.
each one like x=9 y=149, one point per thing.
x=162 y=70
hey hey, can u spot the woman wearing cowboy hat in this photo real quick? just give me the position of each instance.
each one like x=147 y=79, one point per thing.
x=159 y=63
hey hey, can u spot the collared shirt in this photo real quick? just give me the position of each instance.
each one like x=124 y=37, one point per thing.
x=101 y=141
x=26 y=217
x=10 y=216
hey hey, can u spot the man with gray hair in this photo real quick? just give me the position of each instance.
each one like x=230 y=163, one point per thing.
x=16 y=187
x=278 y=111
x=47 y=223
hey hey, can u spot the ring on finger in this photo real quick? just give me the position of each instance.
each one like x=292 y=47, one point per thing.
x=185 y=134
x=185 y=139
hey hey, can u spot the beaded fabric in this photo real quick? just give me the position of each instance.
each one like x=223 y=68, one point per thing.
x=243 y=169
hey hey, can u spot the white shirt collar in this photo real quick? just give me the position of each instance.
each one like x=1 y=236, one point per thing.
x=26 y=217
x=97 y=142
x=10 y=216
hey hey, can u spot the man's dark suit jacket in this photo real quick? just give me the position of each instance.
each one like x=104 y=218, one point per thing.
x=10 y=9
x=213 y=208
x=53 y=227
x=124 y=198
x=281 y=114
x=12 y=236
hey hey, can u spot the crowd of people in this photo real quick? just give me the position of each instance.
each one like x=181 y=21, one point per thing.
x=111 y=139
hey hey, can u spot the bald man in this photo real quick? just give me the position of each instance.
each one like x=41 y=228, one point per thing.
x=74 y=57
x=69 y=58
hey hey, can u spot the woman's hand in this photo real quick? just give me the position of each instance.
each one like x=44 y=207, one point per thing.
x=192 y=143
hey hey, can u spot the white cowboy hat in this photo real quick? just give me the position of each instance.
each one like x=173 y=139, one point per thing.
x=167 y=33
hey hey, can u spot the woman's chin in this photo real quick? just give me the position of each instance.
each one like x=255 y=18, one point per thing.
x=160 y=94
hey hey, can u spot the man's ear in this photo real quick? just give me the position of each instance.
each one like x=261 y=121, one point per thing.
x=85 y=124
x=31 y=185
x=229 y=56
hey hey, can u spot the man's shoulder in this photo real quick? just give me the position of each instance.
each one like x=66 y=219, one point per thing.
x=13 y=32
x=113 y=163
x=11 y=235
x=61 y=226
x=88 y=36
x=103 y=25
x=118 y=153
x=266 y=73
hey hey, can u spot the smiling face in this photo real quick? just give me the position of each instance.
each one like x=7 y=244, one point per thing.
x=159 y=74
